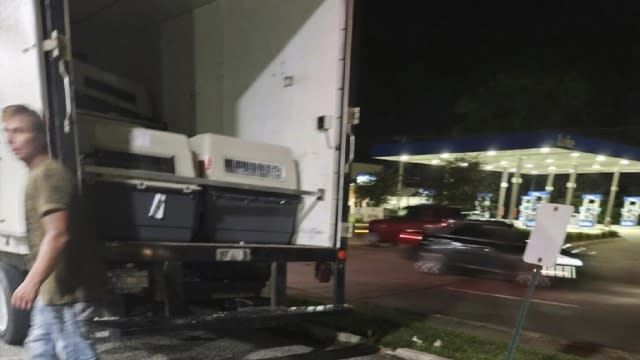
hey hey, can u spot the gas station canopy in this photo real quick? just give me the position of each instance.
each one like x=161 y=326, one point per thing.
x=531 y=153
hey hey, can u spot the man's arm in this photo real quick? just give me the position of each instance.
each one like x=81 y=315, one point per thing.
x=52 y=245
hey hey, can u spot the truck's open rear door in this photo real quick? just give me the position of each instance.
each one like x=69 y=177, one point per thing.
x=57 y=61
x=34 y=66
x=23 y=82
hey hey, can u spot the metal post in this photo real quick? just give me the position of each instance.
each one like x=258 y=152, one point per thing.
x=612 y=197
x=278 y=283
x=339 y=284
x=571 y=186
x=549 y=186
x=400 y=176
x=502 y=194
x=174 y=297
x=523 y=314
x=516 y=180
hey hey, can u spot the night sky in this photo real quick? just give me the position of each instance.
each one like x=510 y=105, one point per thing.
x=414 y=61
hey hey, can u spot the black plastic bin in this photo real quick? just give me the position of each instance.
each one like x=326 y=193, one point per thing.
x=121 y=212
x=249 y=217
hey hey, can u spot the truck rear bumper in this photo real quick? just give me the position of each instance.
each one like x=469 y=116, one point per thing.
x=212 y=252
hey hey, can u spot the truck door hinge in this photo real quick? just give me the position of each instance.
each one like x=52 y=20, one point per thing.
x=58 y=46
x=354 y=115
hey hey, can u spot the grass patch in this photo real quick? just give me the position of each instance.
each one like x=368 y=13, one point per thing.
x=397 y=332
x=580 y=236
x=460 y=346
x=573 y=237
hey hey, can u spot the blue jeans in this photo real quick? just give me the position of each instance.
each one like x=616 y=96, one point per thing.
x=60 y=332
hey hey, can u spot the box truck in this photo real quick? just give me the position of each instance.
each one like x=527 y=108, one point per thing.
x=210 y=141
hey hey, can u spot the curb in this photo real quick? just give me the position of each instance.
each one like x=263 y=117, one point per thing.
x=324 y=333
x=595 y=241
x=410 y=354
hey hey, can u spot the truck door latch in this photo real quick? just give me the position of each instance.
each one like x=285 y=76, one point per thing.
x=57 y=45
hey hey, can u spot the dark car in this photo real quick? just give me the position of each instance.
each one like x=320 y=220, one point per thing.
x=478 y=247
x=417 y=217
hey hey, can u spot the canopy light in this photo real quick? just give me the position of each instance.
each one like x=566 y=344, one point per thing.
x=545 y=152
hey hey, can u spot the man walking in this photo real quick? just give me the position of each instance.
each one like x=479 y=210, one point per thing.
x=65 y=278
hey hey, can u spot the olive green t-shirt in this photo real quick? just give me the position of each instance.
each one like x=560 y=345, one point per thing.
x=78 y=275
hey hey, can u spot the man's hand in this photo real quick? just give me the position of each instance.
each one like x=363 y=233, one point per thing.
x=25 y=295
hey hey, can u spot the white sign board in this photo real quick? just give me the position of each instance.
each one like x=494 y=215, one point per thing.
x=548 y=235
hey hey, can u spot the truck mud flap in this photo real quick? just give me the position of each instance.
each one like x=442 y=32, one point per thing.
x=255 y=317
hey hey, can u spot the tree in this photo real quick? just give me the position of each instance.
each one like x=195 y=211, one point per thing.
x=528 y=100
x=385 y=185
x=460 y=180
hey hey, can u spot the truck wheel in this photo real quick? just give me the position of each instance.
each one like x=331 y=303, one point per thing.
x=14 y=323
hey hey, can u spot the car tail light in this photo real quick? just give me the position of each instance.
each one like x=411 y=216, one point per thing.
x=410 y=237
x=437 y=225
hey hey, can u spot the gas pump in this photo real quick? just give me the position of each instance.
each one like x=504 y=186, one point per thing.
x=525 y=210
x=427 y=195
x=529 y=206
x=588 y=216
x=630 y=211
x=483 y=206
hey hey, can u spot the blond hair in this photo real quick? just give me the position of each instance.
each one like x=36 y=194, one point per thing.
x=38 y=126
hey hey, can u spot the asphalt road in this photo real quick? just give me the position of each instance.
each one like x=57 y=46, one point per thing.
x=602 y=309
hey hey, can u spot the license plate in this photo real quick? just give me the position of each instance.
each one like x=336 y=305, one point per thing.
x=566 y=272
x=233 y=254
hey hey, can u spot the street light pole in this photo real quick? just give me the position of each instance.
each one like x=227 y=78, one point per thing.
x=400 y=178
x=502 y=195
x=612 y=197
x=571 y=186
x=516 y=180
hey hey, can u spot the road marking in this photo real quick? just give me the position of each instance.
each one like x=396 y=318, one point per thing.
x=513 y=297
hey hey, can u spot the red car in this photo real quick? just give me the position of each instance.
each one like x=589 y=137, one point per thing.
x=413 y=218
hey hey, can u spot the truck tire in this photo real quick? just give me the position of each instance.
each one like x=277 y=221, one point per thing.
x=14 y=323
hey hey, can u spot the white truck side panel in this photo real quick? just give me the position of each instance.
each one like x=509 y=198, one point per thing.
x=265 y=71
x=22 y=76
